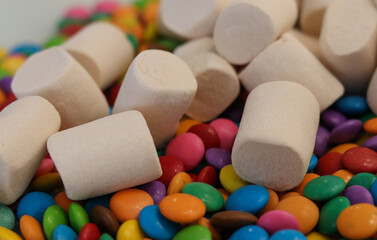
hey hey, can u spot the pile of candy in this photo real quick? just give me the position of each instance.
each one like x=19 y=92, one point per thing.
x=199 y=195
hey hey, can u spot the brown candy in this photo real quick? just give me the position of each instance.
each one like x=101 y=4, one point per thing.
x=232 y=220
x=105 y=220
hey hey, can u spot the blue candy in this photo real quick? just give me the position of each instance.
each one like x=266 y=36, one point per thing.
x=373 y=191
x=63 y=232
x=288 y=235
x=102 y=201
x=352 y=105
x=155 y=225
x=249 y=232
x=26 y=49
x=312 y=164
x=251 y=198
x=34 y=204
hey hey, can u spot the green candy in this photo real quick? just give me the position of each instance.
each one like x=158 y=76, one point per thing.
x=100 y=17
x=53 y=216
x=367 y=116
x=69 y=21
x=55 y=41
x=169 y=43
x=324 y=188
x=7 y=218
x=363 y=179
x=133 y=41
x=106 y=236
x=209 y=195
x=195 y=232
x=77 y=216
x=329 y=214
x=4 y=73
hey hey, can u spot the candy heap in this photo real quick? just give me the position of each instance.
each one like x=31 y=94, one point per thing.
x=200 y=119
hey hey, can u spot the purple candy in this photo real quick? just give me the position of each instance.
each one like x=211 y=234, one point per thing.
x=156 y=189
x=346 y=132
x=358 y=194
x=371 y=143
x=331 y=118
x=321 y=141
x=218 y=158
x=5 y=83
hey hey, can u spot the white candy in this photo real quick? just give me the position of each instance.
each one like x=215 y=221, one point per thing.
x=309 y=41
x=246 y=27
x=195 y=46
x=372 y=93
x=25 y=126
x=105 y=155
x=59 y=78
x=218 y=86
x=161 y=86
x=348 y=42
x=288 y=60
x=103 y=50
x=276 y=137
x=311 y=15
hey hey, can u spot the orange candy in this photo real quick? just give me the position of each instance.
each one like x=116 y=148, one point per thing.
x=3 y=97
x=272 y=201
x=185 y=125
x=344 y=174
x=178 y=182
x=224 y=193
x=358 y=221
x=290 y=194
x=307 y=178
x=343 y=147
x=303 y=209
x=62 y=200
x=31 y=229
x=127 y=204
x=150 y=13
x=182 y=208
x=371 y=126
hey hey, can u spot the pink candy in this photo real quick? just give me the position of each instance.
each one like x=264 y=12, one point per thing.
x=227 y=131
x=277 y=220
x=77 y=12
x=106 y=6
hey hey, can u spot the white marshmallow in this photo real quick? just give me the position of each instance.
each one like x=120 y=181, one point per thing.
x=372 y=93
x=59 y=78
x=276 y=137
x=309 y=41
x=246 y=27
x=161 y=86
x=311 y=15
x=348 y=42
x=103 y=50
x=195 y=46
x=288 y=60
x=218 y=86
x=105 y=155
x=25 y=126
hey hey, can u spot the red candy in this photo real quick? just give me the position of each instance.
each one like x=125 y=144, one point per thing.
x=47 y=166
x=170 y=166
x=329 y=163
x=90 y=232
x=360 y=159
x=227 y=131
x=193 y=177
x=208 y=175
x=207 y=133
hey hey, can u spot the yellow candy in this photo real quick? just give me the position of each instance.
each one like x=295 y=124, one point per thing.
x=3 y=53
x=317 y=236
x=229 y=179
x=47 y=183
x=11 y=64
x=6 y=234
x=130 y=230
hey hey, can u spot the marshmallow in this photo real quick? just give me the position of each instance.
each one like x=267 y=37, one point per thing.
x=25 y=126
x=288 y=60
x=59 y=78
x=105 y=155
x=218 y=86
x=161 y=86
x=194 y=47
x=348 y=42
x=246 y=27
x=276 y=137
x=311 y=15
x=309 y=41
x=103 y=50
x=372 y=93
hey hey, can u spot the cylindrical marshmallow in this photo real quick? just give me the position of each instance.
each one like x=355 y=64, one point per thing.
x=59 y=78
x=348 y=42
x=276 y=137
x=161 y=86
x=105 y=155
x=372 y=93
x=25 y=126
x=311 y=15
x=194 y=47
x=246 y=27
x=218 y=86
x=288 y=60
x=103 y=50
x=309 y=41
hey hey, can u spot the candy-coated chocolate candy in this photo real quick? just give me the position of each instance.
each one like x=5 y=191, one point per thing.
x=63 y=232
x=30 y=228
x=208 y=175
x=307 y=178
x=252 y=199
x=371 y=126
x=344 y=174
x=102 y=201
x=54 y=216
x=7 y=218
x=205 y=222
x=130 y=230
x=188 y=147
x=105 y=220
x=329 y=214
x=312 y=164
x=324 y=188
x=34 y=204
x=373 y=191
x=363 y=179
x=329 y=163
x=229 y=179
x=170 y=166
x=371 y=143
x=249 y=232
x=358 y=221
x=321 y=141
x=77 y=216
x=343 y=147
x=13 y=63
x=227 y=131
x=346 y=132
x=62 y=200
x=106 y=236
x=106 y=6
x=305 y=211
x=224 y=193
x=277 y=220
x=178 y=182
x=6 y=234
x=77 y=12
x=207 y=133
x=55 y=41
x=47 y=183
x=182 y=208
x=218 y=158
x=194 y=232
x=193 y=177
x=209 y=195
x=288 y=235
x=273 y=200
x=360 y=159
x=232 y=220
x=358 y=194
x=156 y=189
x=332 y=118
x=352 y=105
x=289 y=194
x=89 y=232
x=25 y=49
x=155 y=225
x=5 y=85
x=185 y=125
x=317 y=236
x=47 y=166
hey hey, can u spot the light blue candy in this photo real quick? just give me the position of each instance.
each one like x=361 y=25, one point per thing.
x=313 y=163
x=155 y=225
x=34 y=204
x=63 y=232
x=251 y=198
x=288 y=235
x=249 y=232
x=373 y=191
x=102 y=201
x=26 y=49
x=352 y=105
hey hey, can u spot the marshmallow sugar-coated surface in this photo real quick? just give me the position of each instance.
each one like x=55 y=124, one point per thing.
x=309 y=41
x=56 y=76
x=25 y=126
x=246 y=27
x=195 y=46
x=104 y=156
x=311 y=15
x=103 y=50
x=161 y=86
x=275 y=151
x=288 y=60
